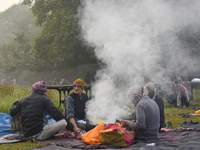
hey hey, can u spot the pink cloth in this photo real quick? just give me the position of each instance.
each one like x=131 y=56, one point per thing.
x=40 y=87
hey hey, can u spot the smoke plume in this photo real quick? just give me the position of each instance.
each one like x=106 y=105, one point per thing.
x=136 y=40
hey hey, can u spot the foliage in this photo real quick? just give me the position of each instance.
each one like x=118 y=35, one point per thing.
x=17 y=55
x=60 y=42
x=190 y=36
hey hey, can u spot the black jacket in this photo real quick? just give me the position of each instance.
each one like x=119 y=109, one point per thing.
x=33 y=109
x=159 y=100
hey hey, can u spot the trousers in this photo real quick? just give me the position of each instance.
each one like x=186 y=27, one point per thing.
x=50 y=129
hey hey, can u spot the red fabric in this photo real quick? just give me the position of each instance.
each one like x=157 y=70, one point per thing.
x=40 y=86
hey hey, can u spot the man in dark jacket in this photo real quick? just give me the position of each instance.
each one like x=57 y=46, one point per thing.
x=76 y=107
x=151 y=92
x=33 y=110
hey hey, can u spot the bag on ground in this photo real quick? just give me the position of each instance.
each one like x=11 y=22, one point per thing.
x=114 y=134
x=92 y=136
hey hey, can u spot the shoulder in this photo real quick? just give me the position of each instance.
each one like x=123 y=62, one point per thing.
x=158 y=97
x=85 y=96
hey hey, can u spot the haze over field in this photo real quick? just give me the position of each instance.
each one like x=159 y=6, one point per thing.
x=136 y=40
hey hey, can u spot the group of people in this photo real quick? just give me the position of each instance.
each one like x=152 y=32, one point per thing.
x=149 y=115
x=34 y=108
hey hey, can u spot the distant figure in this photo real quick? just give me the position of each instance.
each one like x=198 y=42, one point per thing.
x=14 y=81
x=93 y=77
x=54 y=81
x=62 y=81
x=150 y=89
x=3 y=81
x=179 y=90
x=88 y=77
x=33 y=109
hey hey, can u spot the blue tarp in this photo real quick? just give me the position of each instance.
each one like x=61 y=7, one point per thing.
x=5 y=123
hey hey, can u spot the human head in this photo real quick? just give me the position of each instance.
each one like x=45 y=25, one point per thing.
x=179 y=79
x=40 y=87
x=78 y=86
x=135 y=93
x=150 y=89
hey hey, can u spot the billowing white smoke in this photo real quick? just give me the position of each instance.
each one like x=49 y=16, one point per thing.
x=132 y=37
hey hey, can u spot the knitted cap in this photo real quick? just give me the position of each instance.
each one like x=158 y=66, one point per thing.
x=135 y=94
x=79 y=81
x=40 y=87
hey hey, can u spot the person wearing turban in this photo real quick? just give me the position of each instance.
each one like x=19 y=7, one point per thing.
x=147 y=122
x=75 y=107
x=33 y=110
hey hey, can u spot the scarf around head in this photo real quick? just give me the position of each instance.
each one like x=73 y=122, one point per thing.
x=40 y=87
x=135 y=94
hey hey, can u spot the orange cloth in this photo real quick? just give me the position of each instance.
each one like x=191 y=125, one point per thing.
x=91 y=137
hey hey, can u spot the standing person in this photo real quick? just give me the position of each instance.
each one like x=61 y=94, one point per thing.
x=147 y=121
x=87 y=77
x=33 y=110
x=179 y=89
x=76 y=107
x=150 y=89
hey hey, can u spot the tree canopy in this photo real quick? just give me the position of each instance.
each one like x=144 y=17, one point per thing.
x=60 y=40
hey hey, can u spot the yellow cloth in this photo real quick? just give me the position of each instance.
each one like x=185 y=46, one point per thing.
x=197 y=112
x=91 y=137
x=79 y=81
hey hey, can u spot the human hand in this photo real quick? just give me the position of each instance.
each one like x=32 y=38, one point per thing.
x=85 y=110
x=76 y=130
x=125 y=122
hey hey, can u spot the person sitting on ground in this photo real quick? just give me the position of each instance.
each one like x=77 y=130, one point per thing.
x=33 y=109
x=76 y=107
x=179 y=89
x=151 y=92
x=147 y=122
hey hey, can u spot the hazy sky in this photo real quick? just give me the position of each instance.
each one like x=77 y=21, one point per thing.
x=5 y=4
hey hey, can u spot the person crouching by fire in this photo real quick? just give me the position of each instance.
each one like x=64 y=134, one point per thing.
x=75 y=107
x=147 y=123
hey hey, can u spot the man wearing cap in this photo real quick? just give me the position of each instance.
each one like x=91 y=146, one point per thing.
x=33 y=109
x=76 y=107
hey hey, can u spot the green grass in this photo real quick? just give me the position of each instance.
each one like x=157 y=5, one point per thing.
x=8 y=94
x=21 y=145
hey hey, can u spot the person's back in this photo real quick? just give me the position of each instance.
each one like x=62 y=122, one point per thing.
x=147 y=119
x=33 y=108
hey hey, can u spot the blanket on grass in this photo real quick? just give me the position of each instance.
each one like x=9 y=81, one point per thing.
x=178 y=138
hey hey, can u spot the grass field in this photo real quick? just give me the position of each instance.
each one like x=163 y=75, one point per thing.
x=9 y=93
